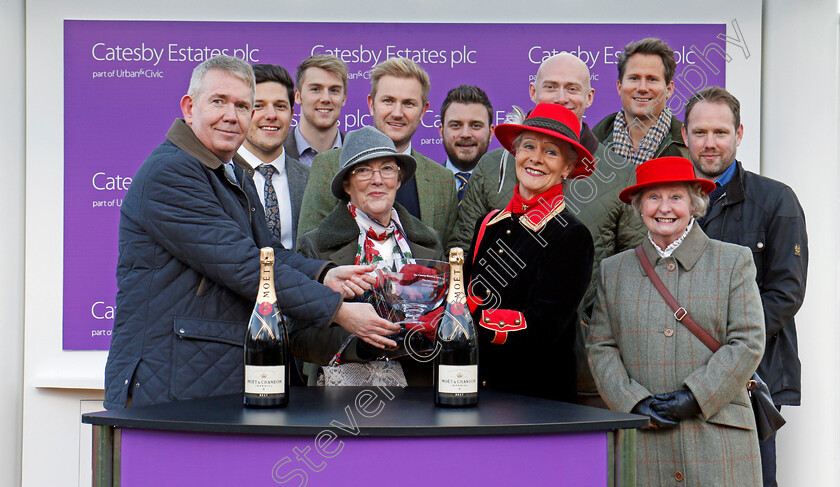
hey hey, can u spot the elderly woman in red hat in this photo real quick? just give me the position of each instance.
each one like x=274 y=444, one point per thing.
x=531 y=262
x=646 y=359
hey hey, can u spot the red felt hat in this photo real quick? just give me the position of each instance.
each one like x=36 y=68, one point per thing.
x=664 y=170
x=556 y=121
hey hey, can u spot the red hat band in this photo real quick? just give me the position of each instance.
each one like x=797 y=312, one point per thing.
x=664 y=170
x=556 y=121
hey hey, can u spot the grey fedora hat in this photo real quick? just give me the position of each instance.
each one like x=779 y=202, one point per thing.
x=363 y=145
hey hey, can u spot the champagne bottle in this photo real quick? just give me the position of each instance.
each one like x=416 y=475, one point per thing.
x=456 y=364
x=266 y=344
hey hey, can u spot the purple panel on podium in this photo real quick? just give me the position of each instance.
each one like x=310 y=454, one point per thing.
x=163 y=458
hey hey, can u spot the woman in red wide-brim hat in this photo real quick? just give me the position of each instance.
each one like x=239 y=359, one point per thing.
x=644 y=360
x=530 y=263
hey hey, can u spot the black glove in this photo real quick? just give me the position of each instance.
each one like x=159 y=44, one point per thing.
x=644 y=407
x=677 y=405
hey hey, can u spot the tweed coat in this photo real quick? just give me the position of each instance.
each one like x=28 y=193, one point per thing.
x=638 y=349
x=297 y=174
x=435 y=192
x=336 y=239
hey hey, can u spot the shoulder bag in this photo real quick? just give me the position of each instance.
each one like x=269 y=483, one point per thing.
x=768 y=419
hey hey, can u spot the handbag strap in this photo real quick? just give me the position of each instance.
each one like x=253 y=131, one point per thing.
x=481 y=231
x=680 y=313
x=336 y=359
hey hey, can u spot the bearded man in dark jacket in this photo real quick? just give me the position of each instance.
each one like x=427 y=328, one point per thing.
x=764 y=215
x=191 y=226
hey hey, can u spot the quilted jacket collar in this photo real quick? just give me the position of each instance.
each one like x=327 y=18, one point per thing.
x=184 y=138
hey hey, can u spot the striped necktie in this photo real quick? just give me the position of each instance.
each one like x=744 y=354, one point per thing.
x=272 y=209
x=461 y=178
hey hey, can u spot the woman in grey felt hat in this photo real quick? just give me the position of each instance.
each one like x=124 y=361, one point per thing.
x=365 y=227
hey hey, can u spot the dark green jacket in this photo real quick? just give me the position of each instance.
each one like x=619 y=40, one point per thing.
x=672 y=145
x=336 y=239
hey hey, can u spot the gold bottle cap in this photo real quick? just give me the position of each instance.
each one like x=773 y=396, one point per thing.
x=456 y=255
x=267 y=255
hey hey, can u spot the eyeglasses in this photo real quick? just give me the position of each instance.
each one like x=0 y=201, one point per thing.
x=387 y=172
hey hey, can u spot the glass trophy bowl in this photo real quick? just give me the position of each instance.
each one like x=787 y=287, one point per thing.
x=418 y=287
x=414 y=287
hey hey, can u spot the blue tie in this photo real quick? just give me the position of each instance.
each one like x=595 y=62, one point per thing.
x=461 y=178
x=272 y=209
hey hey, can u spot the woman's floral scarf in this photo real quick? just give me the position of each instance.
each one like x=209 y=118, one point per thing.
x=376 y=239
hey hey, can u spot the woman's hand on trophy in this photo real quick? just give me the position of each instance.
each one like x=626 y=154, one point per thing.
x=361 y=320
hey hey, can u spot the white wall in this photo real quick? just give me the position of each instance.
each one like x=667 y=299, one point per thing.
x=799 y=91
x=799 y=146
x=12 y=85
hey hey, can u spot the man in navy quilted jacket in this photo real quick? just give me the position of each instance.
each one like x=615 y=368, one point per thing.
x=191 y=226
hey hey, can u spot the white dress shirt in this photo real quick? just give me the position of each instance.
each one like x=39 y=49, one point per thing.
x=281 y=188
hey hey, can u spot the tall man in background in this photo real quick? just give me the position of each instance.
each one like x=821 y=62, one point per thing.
x=189 y=241
x=563 y=79
x=279 y=178
x=399 y=96
x=466 y=129
x=644 y=128
x=764 y=215
x=321 y=93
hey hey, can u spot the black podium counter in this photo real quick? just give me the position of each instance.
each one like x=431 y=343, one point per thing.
x=365 y=436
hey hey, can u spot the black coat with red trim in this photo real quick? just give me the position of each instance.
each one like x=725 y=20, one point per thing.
x=536 y=273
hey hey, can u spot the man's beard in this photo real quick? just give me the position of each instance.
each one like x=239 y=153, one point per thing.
x=465 y=164
x=714 y=171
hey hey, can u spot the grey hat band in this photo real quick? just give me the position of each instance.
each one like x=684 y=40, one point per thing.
x=366 y=144
x=368 y=152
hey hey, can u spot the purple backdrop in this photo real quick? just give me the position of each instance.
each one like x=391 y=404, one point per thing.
x=123 y=81
x=167 y=458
